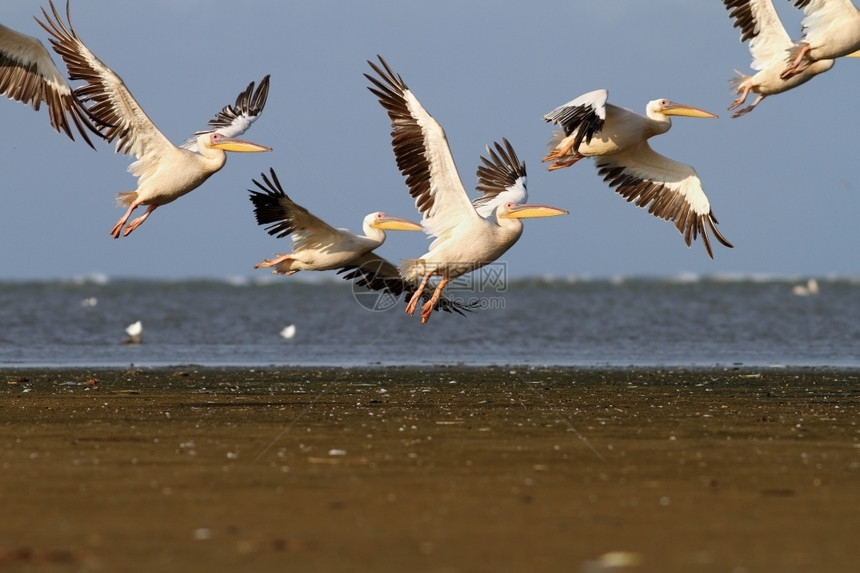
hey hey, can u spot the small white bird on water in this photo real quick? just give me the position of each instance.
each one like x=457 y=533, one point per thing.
x=135 y=333
x=289 y=331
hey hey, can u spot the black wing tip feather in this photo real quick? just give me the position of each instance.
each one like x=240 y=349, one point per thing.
x=740 y=12
x=366 y=276
x=501 y=170
x=583 y=119
x=646 y=194
x=249 y=102
x=269 y=209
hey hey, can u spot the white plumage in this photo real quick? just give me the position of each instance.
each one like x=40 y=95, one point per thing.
x=831 y=29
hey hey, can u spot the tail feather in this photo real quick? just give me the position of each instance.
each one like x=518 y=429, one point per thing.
x=737 y=80
x=125 y=198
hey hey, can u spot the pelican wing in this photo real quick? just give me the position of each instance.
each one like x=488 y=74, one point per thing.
x=501 y=179
x=29 y=75
x=822 y=16
x=274 y=208
x=112 y=108
x=423 y=155
x=376 y=273
x=760 y=24
x=832 y=9
x=669 y=190
x=585 y=115
x=233 y=121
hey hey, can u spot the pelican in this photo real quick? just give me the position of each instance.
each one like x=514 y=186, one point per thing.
x=29 y=75
x=769 y=45
x=317 y=246
x=618 y=140
x=464 y=240
x=831 y=29
x=165 y=172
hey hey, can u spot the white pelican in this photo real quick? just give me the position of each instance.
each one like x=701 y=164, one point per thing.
x=769 y=46
x=464 y=240
x=317 y=246
x=165 y=172
x=618 y=140
x=29 y=75
x=831 y=29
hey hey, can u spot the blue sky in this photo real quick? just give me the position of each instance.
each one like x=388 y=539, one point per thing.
x=783 y=181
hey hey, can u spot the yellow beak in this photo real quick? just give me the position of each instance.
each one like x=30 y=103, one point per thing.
x=230 y=144
x=531 y=211
x=397 y=224
x=854 y=54
x=673 y=108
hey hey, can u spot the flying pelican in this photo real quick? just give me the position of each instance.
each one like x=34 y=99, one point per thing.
x=29 y=75
x=618 y=140
x=769 y=45
x=165 y=172
x=317 y=246
x=464 y=240
x=831 y=29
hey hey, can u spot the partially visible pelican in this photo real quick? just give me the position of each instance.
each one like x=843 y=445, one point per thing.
x=769 y=45
x=831 y=29
x=618 y=140
x=464 y=240
x=317 y=246
x=29 y=75
x=165 y=172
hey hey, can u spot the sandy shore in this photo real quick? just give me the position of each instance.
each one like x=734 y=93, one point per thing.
x=441 y=469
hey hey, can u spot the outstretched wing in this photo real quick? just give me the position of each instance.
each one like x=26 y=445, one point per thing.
x=377 y=274
x=109 y=103
x=423 y=155
x=28 y=75
x=274 y=208
x=584 y=115
x=760 y=24
x=669 y=190
x=233 y=121
x=501 y=179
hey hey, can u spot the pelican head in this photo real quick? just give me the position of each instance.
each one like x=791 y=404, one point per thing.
x=667 y=107
x=527 y=211
x=385 y=222
x=216 y=140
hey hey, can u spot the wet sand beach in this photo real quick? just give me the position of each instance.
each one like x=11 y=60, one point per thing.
x=435 y=469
